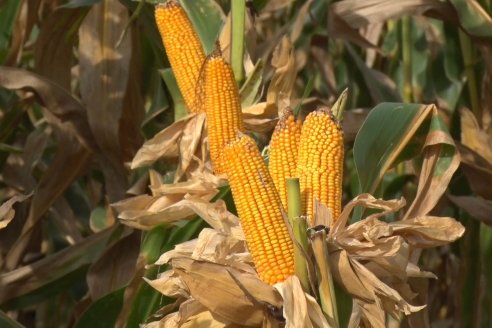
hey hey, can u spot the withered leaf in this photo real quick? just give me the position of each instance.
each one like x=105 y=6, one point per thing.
x=7 y=211
x=70 y=159
x=284 y=76
x=163 y=144
x=476 y=206
x=115 y=267
x=300 y=309
x=62 y=110
x=212 y=285
x=473 y=137
x=478 y=172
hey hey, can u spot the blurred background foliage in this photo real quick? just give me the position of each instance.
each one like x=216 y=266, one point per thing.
x=84 y=83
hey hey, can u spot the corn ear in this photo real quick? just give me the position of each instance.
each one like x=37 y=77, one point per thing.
x=320 y=161
x=260 y=210
x=183 y=48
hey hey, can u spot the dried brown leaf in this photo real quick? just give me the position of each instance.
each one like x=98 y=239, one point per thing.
x=205 y=320
x=225 y=38
x=299 y=309
x=367 y=287
x=115 y=267
x=53 y=51
x=212 y=285
x=213 y=246
x=473 y=137
x=7 y=211
x=298 y=24
x=104 y=61
x=351 y=123
x=188 y=144
x=438 y=147
x=19 y=34
x=198 y=186
x=163 y=144
x=70 y=159
x=362 y=13
x=66 y=221
x=386 y=250
x=339 y=28
x=104 y=70
x=18 y=171
x=486 y=101
x=29 y=278
x=60 y=109
x=428 y=231
x=133 y=112
x=368 y=201
x=478 y=172
x=145 y=212
x=169 y=284
x=275 y=5
x=284 y=76
x=477 y=207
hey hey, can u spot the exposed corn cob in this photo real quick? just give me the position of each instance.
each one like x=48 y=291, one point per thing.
x=220 y=98
x=284 y=147
x=183 y=48
x=259 y=208
x=320 y=161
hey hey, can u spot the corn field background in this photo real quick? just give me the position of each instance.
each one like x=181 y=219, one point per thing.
x=102 y=170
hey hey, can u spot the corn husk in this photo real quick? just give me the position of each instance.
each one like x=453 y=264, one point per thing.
x=370 y=259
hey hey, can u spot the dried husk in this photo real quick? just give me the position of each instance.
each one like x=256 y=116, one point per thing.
x=370 y=259
x=170 y=203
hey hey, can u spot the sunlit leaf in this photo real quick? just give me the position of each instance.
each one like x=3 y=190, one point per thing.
x=207 y=17
x=408 y=127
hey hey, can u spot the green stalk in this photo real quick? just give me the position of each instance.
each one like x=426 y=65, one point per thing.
x=299 y=226
x=238 y=9
x=326 y=287
x=468 y=53
x=406 y=36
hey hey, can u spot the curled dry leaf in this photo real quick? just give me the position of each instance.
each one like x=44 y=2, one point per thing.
x=300 y=309
x=7 y=211
x=163 y=145
x=213 y=246
x=284 y=76
x=385 y=249
x=473 y=137
x=213 y=286
x=476 y=206
x=60 y=109
x=359 y=14
x=192 y=315
x=370 y=259
x=172 y=202
x=169 y=284
x=478 y=172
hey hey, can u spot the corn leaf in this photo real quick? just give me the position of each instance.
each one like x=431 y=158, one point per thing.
x=208 y=18
x=411 y=128
x=474 y=19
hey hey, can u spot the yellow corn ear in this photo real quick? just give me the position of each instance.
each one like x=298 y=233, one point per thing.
x=259 y=208
x=183 y=48
x=220 y=98
x=284 y=146
x=320 y=161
